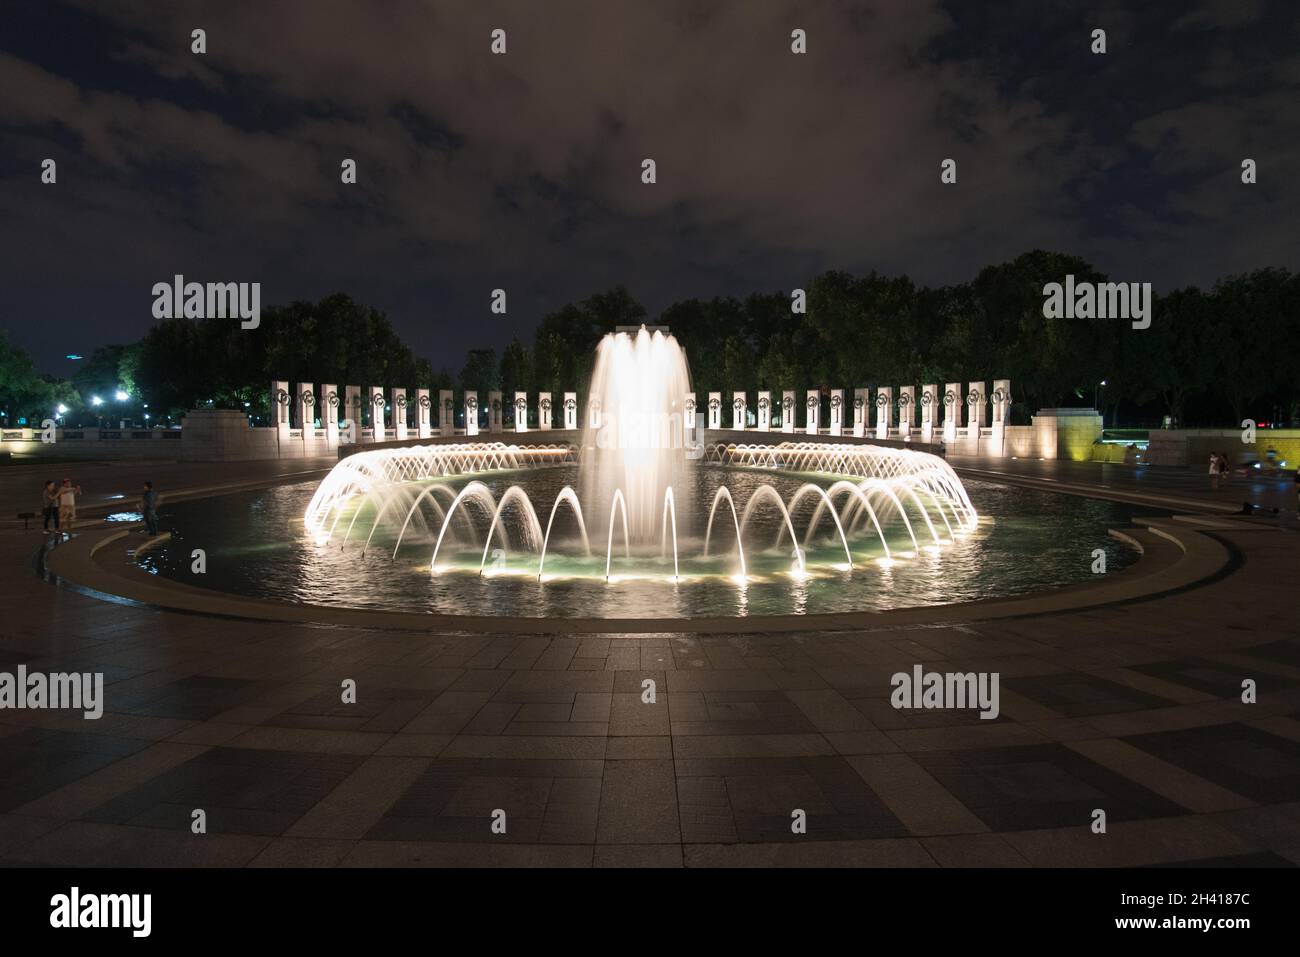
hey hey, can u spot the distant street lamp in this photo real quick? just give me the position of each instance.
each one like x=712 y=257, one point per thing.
x=121 y=396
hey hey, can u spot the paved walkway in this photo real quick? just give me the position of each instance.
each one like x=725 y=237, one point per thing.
x=1134 y=709
x=1258 y=488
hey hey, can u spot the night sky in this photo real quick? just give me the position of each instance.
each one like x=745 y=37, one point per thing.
x=522 y=171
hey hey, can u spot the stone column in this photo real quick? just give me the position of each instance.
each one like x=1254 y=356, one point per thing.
x=787 y=411
x=814 y=406
x=544 y=411
x=884 y=410
x=1001 y=415
x=953 y=402
x=471 y=413
x=496 y=414
x=929 y=410
x=715 y=410
x=281 y=401
x=521 y=411
x=423 y=414
x=352 y=406
x=377 y=417
x=906 y=410
x=304 y=398
x=398 y=404
x=764 y=411
x=329 y=414
x=738 y=411
x=837 y=412
x=446 y=412
x=571 y=411
x=976 y=399
x=861 y=409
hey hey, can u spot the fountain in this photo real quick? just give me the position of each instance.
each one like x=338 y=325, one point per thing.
x=630 y=487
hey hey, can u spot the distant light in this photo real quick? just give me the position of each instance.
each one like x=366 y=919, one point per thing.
x=62 y=409
x=96 y=400
x=72 y=355
x=121 y=396
x=146 y=415
x=247 y=404
x=1103 y=381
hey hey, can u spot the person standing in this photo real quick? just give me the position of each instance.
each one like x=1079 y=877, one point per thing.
x=1225 y=472
x=50 y=503
x=68 y=503
x=149 y=506
x=1214 y=471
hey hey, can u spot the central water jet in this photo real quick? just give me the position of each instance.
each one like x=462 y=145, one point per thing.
x=633 y=440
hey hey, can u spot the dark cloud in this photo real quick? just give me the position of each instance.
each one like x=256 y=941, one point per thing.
x=522 y=171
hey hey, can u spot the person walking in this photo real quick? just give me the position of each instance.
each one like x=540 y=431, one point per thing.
x=1225 y=472
x=67 y=497
x=50 y=504
x=149 y=507
x=1214 y=471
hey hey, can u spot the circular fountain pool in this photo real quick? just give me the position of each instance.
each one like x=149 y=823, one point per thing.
x=1022 y=541
x=640 y=519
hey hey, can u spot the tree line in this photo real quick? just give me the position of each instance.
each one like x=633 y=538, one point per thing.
x=1211 y=356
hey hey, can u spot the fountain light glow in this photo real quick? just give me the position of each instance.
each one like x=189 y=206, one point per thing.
x=632 y=473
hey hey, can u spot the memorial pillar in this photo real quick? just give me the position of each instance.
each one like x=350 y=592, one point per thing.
x=423 y=414
x=953 y=401
x=976 y=399
x=929 y=409
x=352 y=406
x=906 y=410
x=398 y=405
x=884 y=410
x=860 y=413
x=280 y=402
x=446 y=412
x=471 y=413
x=305 y=406
x=377 y=419
x=496 y=414
x=329 y=414
x=521 y=411
x=837 y=412
x=1001 y=415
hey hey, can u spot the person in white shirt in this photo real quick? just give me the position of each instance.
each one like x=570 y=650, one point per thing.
x=68 y=502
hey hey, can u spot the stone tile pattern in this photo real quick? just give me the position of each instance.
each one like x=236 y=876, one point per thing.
x=1132 y=709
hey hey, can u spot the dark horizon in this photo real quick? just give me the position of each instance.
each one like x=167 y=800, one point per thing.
x=522 y=171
